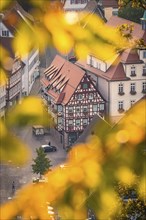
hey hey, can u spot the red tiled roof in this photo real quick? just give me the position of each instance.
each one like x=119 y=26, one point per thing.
x=137 y=32
x=115 y=71
x=60 y=98
x=130 y=56
x=45 y=82
x=65 y=79
x=110 y=3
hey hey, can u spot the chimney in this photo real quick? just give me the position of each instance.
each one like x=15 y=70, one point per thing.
x=143 y=21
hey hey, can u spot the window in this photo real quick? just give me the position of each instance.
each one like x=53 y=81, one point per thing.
x=101 y=107
x=59 y=108
x=77 y=121
x=59 y=120
x=70 y=109
x=90 y=95
x=77 y=109
x=91 y=61
x=132 y=88
x=85 y=121
x=70 y=122
x=144 y=54
x=121 y=89
x=80 y=96
x=120 y=106
x=5 y=33
x=133 y=71
x=144 y=87
x=132 y=102
x=85 y=109
x=94 y=108
x=85 y=86
x=144 y=70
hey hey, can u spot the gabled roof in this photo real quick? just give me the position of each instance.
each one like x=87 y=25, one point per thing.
x=130 y=56
x=137 y=32
x=114 y=73
x=63 y=80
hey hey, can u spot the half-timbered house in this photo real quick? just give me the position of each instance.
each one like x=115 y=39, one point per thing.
x=14 y=68
x=72 y=98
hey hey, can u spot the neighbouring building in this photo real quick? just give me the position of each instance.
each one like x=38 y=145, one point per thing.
x=121 y=81
x=2 y=101
x=110 y=8
x=9 y=26
x=72 y=98
x=88 y=6
x=14 y=69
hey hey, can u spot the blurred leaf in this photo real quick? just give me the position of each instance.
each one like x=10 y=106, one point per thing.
x=4 y=4
x=24 y=39
x=3 y=77
x=12 y=149
x=31 y=111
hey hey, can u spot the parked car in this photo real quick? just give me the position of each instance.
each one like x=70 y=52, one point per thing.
x=38 y=130
x=49 y=148
x=72 y=59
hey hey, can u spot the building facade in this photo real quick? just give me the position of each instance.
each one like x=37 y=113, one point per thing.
x=9 y=27
x=14 y=83
x=2 y=100
x=122 y=80
x=14 y=68
x=72 y=97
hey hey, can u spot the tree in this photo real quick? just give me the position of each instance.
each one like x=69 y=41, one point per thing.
x=92 y=168
x=41 y=163
x=134 y=3
x=131 y=13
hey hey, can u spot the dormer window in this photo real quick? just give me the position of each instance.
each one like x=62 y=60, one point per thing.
x=133 y=73
x=91 y=61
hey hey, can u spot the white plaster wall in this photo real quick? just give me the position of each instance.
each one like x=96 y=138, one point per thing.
x=108 y=12
x=138 y=71
x=4 y=28
x=28 y=78
x=2 y=100
x=126 y=98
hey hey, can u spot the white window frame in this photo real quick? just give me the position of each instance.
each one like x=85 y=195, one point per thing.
x=120 y=105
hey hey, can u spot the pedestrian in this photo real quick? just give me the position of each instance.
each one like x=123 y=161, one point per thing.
x=13 y=187
x=49 y=143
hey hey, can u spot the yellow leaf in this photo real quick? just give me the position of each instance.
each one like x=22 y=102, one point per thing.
x=62 y=41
